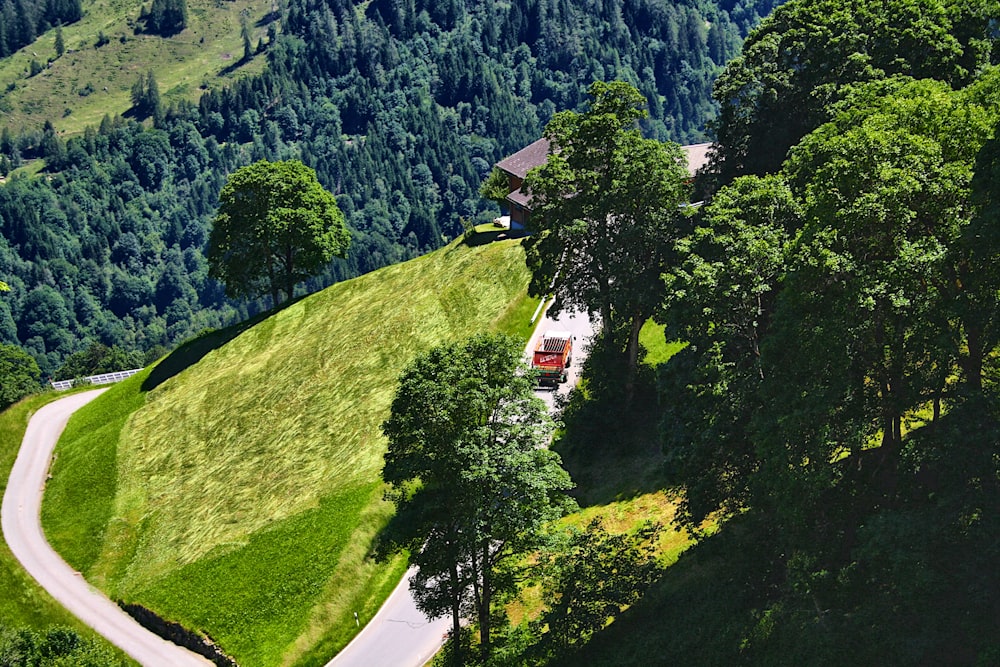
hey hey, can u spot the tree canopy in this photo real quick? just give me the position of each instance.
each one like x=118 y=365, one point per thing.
x=837 y=395
x=276 y=226
x=96 y=359
x=470 y=475
x=605 y=210
x=803 y=57
x=19 y=375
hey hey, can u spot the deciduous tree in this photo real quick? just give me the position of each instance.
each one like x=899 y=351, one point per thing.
x=720 y=299
x=866 y=329
x=19 y=375
x=470 y=476
x=276 y=226
x=97 y=359
x=605 y=213
x=588 y=581
x=802 y=58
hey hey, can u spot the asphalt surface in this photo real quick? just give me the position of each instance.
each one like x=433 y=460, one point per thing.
x=22 y=530
x=400 y=635
x=580 y=326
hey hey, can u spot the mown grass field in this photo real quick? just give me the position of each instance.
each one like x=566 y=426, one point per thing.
x=87 y=82
x=246 y=489
x=23 y=603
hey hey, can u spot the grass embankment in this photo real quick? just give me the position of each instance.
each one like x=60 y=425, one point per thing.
x=24 y=604
x=88 y=82
x=247 y=490
x=615 y=459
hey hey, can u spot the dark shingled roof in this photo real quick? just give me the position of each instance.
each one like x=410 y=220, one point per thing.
x=525 y=159
x=537 y=154
x=519 y=198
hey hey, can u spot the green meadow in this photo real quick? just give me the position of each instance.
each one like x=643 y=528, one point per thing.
x=238 y=492
x=88 y=81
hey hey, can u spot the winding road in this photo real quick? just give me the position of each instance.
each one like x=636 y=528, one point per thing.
x=22 y=530
x=398 y=636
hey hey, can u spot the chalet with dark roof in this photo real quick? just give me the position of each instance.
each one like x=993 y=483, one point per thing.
x=517 y=167
x=536 y=154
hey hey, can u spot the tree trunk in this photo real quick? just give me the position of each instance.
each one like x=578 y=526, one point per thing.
x=486 y=593
x=456 y=617
x=269 y=263
x=477 y=580
x=272 y=280
x=635 y=326
x=289 y=266
x=973 y=365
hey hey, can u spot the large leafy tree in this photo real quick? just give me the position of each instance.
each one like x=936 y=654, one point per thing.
x=605 y=210
x=276 y=226
x=867 y=329
x=720 y=299
x=824 y=306
x=19 y=375
x=802 y=58
x=837 y=389
x=471 y=478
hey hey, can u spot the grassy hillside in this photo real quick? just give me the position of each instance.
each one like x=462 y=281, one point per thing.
x=87 y=82
x=247 y=490
x=24 y=604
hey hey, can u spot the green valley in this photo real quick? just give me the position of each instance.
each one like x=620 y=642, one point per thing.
x=94 y=77
x=244 y=491
x=784 y=441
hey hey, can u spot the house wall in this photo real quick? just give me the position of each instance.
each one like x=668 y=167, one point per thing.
x=518 y=216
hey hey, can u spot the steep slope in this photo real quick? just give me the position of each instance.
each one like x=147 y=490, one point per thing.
x=247 y=487
x=106 y=52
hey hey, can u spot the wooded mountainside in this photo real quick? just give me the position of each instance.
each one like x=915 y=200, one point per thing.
x=21 y=21
x=832 y=427
x=401 y=108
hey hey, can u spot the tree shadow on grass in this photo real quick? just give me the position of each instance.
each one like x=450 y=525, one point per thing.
x=698 y=612
x=192 y=351
x=499 y=234
x=611 y=450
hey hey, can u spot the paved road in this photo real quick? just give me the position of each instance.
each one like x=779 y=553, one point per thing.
x=22 y=529
x=580 y=326
x=400 y=635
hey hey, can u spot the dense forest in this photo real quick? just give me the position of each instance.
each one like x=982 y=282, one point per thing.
x=21 y=21
x=401 y=109
x=832 y=426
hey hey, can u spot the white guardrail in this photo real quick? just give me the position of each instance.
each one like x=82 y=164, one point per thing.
x=104 y=378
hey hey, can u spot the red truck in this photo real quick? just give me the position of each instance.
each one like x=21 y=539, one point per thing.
x=553 y=355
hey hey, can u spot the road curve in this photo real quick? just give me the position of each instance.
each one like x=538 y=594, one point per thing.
x=400 y=635
x=22 y=530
